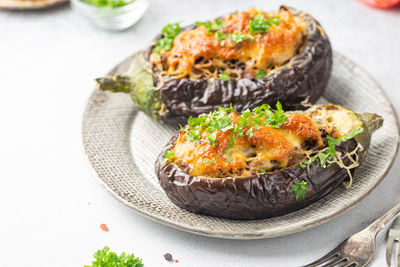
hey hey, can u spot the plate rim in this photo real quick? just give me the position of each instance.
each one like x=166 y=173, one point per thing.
x=250 y=235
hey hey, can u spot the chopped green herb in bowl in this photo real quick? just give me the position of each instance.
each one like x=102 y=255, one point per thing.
x=109 y=3
x=112 y=15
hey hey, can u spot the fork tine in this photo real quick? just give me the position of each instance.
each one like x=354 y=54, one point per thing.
x=328 y=258
x=389 y=249
x=339 y=260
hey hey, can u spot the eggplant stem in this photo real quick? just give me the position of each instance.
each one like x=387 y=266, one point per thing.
x=116 y=84
x=372 y=121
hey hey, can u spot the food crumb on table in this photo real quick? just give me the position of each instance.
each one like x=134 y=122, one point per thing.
x=168 y=257
x=104 y=227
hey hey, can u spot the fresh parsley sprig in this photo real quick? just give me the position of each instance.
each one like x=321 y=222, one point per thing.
x=106 y=258
x=299 y=189
x=169 y=32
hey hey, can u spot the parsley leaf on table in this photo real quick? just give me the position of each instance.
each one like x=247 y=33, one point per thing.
x=106 y=258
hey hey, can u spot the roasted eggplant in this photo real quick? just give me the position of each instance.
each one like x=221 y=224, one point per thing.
x=246 y=59
x=263 y=163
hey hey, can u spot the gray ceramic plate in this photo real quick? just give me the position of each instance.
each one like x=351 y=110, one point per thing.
x=122 y=145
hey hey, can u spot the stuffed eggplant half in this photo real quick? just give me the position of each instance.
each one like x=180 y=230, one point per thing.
x=246 y=58
x=263 y=163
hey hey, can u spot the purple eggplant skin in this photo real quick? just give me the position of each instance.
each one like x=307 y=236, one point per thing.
x=304 y=77
x=263 y=195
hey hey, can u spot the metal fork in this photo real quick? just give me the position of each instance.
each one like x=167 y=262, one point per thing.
x=392 y=244
x=359 y=249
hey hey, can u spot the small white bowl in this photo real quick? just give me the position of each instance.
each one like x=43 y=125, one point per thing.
x=114 y=19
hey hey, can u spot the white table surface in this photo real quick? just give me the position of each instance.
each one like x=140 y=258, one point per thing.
x=48 y=60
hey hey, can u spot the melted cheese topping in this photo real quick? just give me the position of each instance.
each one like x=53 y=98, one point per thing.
x=267 y=149
x=198 y=53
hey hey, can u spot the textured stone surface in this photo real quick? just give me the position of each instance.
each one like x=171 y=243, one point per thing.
x=48 y=60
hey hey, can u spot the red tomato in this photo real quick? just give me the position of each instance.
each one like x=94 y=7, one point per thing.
x=380 y=3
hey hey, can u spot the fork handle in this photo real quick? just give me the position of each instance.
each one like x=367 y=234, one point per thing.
x=381 y=222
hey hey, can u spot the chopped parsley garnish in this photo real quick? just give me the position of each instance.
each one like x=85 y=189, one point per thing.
x=263 y=171
x=275 y=119
x=308 y=161
x=327 y=158
x=220 y=36
x=356 y=131
x=169 y=32
x=261 y=25
x=194 y=136
x=299 y=189
x=212 y=137
x=106 y=258
x=322 y=158
x=228 y=154
x=260 y=74
x=221 y=120
x=209 y=25
x=236 y=37
x=169 y=155
x=224 y=76
x=250 y=132
x=231 y=141
x=211 y=161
